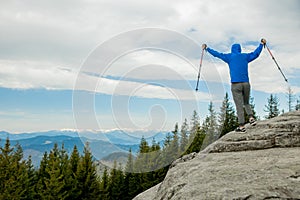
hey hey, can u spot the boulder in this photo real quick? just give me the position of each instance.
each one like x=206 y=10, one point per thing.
x=262 y=163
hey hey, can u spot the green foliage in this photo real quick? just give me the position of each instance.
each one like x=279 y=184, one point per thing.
x=16 y=175
x=227 y=118
x=272 y=108
x=104 y=184
x=88 y=183
x=61 y=176
x=196 y=143
x=210 y=127
x=184 y=140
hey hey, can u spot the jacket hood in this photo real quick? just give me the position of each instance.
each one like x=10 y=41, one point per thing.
x=236 y=48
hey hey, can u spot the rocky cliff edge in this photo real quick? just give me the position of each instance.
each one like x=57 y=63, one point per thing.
x=262 y=163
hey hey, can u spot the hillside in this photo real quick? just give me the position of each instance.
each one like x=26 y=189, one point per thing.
x=102 y=144
x=263 y=163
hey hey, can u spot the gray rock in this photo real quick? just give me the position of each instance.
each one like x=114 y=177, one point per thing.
x=263 y=163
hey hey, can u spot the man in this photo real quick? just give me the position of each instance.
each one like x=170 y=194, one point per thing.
x=240 y=86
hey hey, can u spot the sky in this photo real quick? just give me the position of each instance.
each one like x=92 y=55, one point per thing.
x=133 y=65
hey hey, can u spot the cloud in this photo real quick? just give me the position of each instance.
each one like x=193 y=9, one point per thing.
x=39 y=40
x=44 y=45
x=29 y=74
x=138 y=89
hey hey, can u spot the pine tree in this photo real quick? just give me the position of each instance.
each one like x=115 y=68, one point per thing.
x=54 y=182
x=144 y=146
x=290 y=98
x=71 y=173
x=134 y=187
x=155 y=146
x=196 y=135
x=184 y=142
x=142 y=161
x=30 y=180
x=197 y=142
x=5 y=172
x=272 y=107
x=74 y=161
x=154 y=156
x=227 y=118
x=41 y=176
x=88 y=183
x=210 y=127
x=116 y=180
x=104 y=185
x=128 y=183
x=194 y=131
x=167 y=140
x=14 y=173
x=129 y=164
x=174 y=148
x=140 y=166
x=195 y=124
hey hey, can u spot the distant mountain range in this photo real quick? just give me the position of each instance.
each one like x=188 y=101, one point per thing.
x=102 y=144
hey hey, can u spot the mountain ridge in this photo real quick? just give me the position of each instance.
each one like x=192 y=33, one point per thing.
x=114 y=136
x=35 y=144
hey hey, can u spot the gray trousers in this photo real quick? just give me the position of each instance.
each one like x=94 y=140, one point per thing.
x=241 y=95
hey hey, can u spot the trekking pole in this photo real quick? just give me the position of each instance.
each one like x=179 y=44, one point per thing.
x=199 y=69
x=276 y=63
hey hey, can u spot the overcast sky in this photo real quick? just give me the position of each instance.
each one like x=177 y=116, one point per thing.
x=47 y=47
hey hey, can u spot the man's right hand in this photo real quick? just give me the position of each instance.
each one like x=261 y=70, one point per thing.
x=204 y=46
x=263 y=41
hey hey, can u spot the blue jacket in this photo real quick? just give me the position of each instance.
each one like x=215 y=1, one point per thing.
x=237 y=61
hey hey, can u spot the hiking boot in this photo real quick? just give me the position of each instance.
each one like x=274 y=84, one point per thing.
x=240 y=129
x=252 y=121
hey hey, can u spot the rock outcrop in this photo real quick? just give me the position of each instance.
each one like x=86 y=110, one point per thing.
x=262 y=163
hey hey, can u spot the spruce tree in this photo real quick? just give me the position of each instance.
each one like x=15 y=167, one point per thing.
x=116 y=179
x=210 y=127
x=30 y=180
x=155 y=145
x=184 y=137
x=88 y=183
x=134 y=187
x=154 y=156
x=290 y=98
x=129 y=185
x=41 y=176
x=72 y=179
x=55 y=179
x=197 y=142
x=14 y=173
x=167 y=140
x=104 y=185
x=129 y=164
x=272 y=107
x=195 y=124
x=196 y=135
x=144 y=146
x=227 y=118
x=142 y=161
x=174 y=148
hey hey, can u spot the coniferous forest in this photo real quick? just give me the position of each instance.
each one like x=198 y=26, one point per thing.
x=74 y=175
